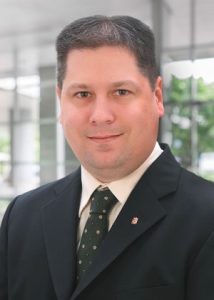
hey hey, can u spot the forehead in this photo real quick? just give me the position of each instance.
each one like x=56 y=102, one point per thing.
x=109 y=60
x=103 y=53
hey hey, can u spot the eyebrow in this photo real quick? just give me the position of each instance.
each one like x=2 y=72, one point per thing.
x=77 y=86
x=125 y=82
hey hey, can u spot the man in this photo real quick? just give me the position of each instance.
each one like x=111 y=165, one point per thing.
x=159 y=242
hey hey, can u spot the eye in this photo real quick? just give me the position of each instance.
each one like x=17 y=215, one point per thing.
x=82 y=94
x=122 y=92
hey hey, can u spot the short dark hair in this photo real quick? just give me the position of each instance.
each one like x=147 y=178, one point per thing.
x=97 y=31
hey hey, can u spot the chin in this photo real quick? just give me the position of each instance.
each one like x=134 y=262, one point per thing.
x=102 y=164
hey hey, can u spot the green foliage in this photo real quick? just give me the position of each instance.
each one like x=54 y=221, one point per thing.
x=179 y=105
x=205 y=92
x=179 y=90
x=4 y=144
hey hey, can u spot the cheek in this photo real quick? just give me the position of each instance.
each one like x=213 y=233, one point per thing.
x=146 y=120
x=73 y=126
x=68 y=117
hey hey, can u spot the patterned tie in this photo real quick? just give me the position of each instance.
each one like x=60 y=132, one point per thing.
x=96 y=227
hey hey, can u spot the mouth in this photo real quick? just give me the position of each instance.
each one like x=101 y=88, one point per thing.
x=104 y=138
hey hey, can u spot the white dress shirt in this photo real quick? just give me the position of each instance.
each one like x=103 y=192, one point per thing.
x=120 y=188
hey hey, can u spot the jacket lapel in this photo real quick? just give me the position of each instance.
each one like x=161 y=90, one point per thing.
x=60 y=220
x=144 y=205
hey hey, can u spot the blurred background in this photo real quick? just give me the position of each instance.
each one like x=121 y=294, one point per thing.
x=32 y=147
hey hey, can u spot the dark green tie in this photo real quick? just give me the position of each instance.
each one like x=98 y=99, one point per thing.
x=96 y=227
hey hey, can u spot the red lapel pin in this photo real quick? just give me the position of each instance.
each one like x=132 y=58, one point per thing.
x=134 y=221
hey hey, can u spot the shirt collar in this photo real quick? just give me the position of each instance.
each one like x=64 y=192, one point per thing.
x=90 y=184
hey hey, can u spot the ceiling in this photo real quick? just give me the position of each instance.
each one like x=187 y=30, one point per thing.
x=28 y=28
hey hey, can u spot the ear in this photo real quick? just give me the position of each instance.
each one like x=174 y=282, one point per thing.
x=159 y=96
x=58 y=93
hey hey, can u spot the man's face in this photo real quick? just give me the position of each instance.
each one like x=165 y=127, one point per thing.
x=109 y=111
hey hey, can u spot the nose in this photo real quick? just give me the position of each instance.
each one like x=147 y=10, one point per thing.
x=102 y=112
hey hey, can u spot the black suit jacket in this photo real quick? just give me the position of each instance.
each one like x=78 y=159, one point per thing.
x=167 y=255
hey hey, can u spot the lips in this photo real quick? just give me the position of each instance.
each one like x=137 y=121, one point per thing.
x=104 y=138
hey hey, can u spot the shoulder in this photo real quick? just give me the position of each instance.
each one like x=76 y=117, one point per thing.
x=194 y=201
x=195 y=186
x=34 y=199
x=189 y=194
x=185 y=182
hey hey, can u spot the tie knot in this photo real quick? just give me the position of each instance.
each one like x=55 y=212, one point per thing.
x=102 y=201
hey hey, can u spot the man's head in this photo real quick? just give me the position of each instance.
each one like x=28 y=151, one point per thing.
x=97 y=31
x=110 y=95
